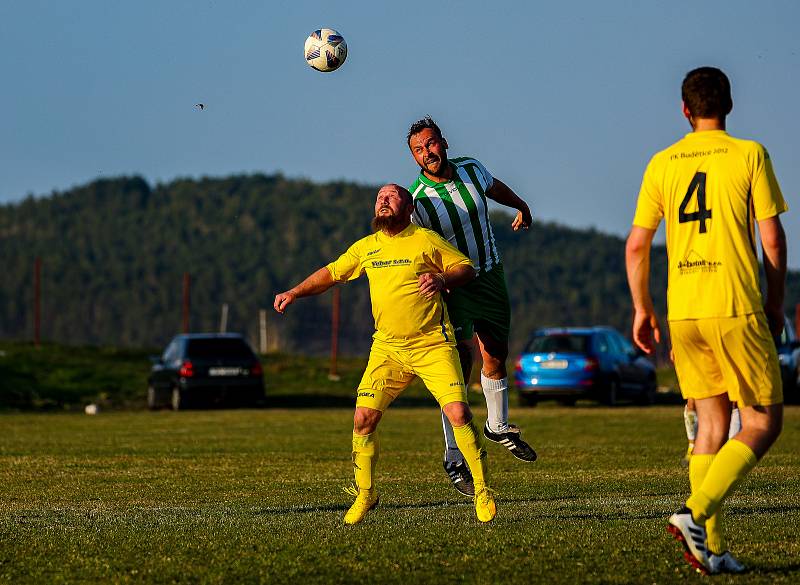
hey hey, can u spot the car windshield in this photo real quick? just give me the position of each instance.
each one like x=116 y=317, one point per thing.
x=217 y=348
x=559 y=343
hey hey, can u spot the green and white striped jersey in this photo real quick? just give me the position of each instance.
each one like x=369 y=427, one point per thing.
x=458 y=211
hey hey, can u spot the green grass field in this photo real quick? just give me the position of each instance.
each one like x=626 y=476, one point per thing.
x=255 y=496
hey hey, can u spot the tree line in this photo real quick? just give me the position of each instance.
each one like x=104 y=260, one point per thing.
x=114 y=252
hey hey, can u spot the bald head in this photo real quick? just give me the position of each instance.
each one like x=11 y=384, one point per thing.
x=400 y=191
x=393 y=207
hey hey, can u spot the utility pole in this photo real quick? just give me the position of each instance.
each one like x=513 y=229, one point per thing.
x=262 y=328
x=223 y=322
x=37 y=301
x=333 y=375
x=186 y=296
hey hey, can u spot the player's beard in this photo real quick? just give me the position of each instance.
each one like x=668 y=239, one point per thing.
x=381 y=223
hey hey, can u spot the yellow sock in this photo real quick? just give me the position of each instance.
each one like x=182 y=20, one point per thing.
x=365 y=456
x=730 y=466
x=471 y=447
x=698 y=469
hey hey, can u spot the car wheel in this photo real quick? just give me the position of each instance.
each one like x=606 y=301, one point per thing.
x=152 y=399
x=528 y=399
x=612 y=393
x=177 y=402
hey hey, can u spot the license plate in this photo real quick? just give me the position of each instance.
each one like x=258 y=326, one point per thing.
x=224 y=371
x=554 y=365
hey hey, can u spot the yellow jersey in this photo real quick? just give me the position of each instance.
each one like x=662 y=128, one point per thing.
x=393 y=265
x=710 y=188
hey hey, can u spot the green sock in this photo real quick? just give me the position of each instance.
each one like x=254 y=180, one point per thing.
x=471 y=446
x=365 y=456
x=730 y=466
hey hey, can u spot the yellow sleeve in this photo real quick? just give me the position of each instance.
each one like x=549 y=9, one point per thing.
x=348 y=265
x=768 y=200
x=650 y=205
x=442 y=254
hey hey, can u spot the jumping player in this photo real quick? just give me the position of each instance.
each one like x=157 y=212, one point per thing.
x=450 y=197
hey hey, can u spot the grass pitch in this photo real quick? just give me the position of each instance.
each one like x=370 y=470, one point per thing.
x=255 y=496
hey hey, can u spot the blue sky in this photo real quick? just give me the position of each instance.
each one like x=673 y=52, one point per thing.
x=564 y=101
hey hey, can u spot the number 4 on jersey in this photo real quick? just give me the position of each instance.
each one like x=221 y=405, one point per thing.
x=702 y=214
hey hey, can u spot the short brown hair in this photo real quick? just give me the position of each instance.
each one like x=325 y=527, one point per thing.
x=706 y=91
x=420 y=125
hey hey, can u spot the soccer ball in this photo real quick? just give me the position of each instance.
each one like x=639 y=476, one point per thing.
x=325 y=50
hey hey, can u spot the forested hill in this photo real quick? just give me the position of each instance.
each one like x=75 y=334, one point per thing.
x=114 y=252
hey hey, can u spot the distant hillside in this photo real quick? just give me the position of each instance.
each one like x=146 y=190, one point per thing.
x=114 y=252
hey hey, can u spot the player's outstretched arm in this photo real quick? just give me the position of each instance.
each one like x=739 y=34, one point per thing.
x=504 y=195
x=431 y=283
x=637 y=264
x=314 y=284
x=773 y=242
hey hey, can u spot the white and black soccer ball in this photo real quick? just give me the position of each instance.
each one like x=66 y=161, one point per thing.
x=325 y=50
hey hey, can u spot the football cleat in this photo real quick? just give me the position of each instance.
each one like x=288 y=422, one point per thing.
x=460 y=477
x=512 y=441
x=693 y=537
x=724 y=563
x=365 y=501
x=485 y=507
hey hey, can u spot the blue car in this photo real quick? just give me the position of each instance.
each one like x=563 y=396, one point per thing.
x=584 y=362
x=789 y=358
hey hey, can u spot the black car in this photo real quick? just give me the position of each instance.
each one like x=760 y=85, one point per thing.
x=205 y=369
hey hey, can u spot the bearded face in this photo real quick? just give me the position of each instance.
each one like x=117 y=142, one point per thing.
x=392 y=209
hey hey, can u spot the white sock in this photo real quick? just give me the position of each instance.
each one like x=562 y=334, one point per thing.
x=496 y=394
x=690 y=421
x=736 y=423
x=451 y=451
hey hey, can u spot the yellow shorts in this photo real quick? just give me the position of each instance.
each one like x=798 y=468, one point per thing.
x=733 y=355
x=390 y=370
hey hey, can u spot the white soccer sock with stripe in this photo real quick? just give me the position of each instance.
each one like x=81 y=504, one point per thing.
x=451 y=452
x=496 y=393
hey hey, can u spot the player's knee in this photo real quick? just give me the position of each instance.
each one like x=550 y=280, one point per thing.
x=365 y=420
x=712 y=434
x=458 y=413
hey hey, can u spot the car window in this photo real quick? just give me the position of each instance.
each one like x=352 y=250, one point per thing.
x=615 y=343
x=627 y=346
x=601 y=343
x=620 y=344
x=559 y=343
x=171 y=353
x=218 y=348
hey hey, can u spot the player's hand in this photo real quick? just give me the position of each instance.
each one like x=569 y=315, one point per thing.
x=430 y=284
x=646 y=331
x=522 y=220
x=283 y=300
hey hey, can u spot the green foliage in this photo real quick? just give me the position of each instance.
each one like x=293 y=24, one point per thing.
x=114 y=252
x=65 y=377
x=255 y=497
